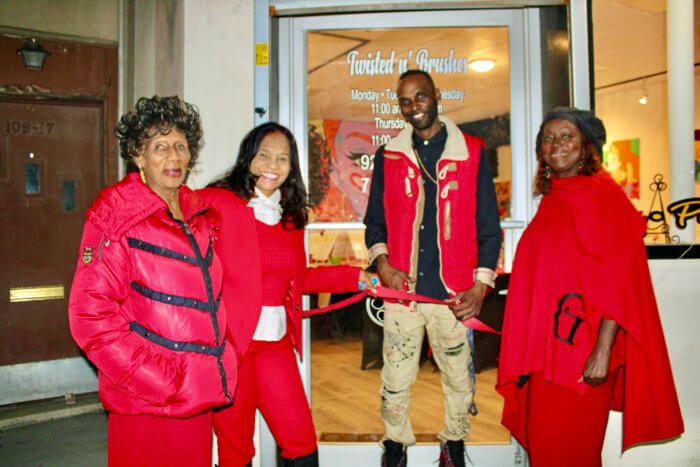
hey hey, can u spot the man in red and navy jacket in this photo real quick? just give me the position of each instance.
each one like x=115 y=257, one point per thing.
x=432 y=222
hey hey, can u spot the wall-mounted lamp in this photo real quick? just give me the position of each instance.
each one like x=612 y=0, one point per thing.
x=643 y=99
x=33 y=54
x=482 y=64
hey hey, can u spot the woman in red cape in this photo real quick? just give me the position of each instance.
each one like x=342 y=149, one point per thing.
x=582 y=333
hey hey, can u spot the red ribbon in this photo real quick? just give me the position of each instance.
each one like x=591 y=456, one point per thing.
x=392 y=294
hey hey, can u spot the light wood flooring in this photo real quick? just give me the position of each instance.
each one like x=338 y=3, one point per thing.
x=345 y=399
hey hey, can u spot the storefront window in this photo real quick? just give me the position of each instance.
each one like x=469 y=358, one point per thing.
x=631 y=98
x=353 y=110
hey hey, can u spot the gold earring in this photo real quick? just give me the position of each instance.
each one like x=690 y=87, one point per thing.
x=143 y=176
x=547 y=172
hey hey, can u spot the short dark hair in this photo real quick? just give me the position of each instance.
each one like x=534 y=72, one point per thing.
x=415 y=72
x=242 y=182
x=161 y=114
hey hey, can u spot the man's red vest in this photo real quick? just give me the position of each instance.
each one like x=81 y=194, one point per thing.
x=404 y=199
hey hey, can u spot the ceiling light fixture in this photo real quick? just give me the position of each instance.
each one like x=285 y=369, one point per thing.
x=482 y=64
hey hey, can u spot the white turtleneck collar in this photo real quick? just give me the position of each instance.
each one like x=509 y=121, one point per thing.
x=267 y=210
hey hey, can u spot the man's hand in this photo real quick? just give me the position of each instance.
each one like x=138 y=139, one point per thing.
x=467 y=304
x=390 y=276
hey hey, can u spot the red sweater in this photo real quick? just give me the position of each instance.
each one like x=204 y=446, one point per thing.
x=276 y=261
x=239 y=250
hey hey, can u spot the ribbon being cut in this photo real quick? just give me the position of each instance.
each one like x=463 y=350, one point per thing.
x=392 y=294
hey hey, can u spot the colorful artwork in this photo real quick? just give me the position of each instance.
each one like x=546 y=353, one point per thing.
x=621 y=160
x=341 y=159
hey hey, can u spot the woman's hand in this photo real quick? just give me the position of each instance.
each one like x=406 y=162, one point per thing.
x=368 y=279
x=597 y=366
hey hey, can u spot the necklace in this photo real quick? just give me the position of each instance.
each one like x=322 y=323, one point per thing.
x=423 y=169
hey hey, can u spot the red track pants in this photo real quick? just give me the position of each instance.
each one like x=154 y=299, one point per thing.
x=269 y=380
x=149 y=440
x=564 y=428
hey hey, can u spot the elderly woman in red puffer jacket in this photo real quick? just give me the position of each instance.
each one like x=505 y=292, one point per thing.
x=145 y=303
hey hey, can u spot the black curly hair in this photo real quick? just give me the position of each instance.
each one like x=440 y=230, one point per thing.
x=157 y=114
x=242 y=182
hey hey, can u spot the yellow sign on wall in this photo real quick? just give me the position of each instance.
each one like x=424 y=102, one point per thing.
x=261 y=54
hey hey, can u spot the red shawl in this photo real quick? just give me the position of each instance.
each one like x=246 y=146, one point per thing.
x=582 y=259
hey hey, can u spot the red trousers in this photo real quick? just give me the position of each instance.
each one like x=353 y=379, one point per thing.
x=269 y=380
x=563 y=427
x=149 y=440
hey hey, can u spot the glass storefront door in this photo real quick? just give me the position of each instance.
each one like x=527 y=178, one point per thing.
x=337 y=93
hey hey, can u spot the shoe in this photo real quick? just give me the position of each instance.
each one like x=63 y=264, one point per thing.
x=452 y=454
x=309 y=460
x=394 y=454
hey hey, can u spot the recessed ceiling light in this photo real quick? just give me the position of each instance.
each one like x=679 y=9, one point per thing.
x=482 y=64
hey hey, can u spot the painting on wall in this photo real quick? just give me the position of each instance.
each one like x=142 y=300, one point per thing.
x=621 y=160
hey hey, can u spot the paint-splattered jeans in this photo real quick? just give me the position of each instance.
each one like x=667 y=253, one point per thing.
x=403 y=338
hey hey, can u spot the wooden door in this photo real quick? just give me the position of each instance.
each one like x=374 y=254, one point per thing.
x=51 y=158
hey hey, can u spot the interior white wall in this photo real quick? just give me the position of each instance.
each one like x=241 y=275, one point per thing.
x=677 y=294
x=218 y=78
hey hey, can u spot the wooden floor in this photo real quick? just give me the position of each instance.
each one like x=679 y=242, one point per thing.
x=345 y=399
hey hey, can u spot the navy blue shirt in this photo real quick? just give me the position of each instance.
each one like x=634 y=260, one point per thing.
x=488 y=229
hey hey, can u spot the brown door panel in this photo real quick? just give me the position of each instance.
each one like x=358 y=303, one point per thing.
x=50 y=171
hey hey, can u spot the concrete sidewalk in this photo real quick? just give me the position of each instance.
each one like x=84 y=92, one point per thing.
x=73 y=441
x=54 y=433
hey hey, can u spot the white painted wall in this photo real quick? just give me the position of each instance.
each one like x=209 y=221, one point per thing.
x=218 y=78
x=678 y=296
x=157 y=44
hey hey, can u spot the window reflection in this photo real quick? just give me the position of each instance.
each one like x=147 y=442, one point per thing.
x=352 y=106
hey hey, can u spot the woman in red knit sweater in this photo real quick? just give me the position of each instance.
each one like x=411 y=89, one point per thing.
x=262 y=203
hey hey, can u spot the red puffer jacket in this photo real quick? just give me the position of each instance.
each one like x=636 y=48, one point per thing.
x=144 y=305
